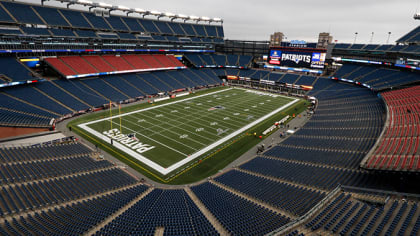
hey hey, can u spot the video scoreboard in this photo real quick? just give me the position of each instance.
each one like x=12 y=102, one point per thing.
x=298 y=57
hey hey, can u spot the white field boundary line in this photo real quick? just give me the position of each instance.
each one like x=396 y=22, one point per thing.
x=165 y=171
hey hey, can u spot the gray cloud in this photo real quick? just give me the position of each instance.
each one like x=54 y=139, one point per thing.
x=298 y=19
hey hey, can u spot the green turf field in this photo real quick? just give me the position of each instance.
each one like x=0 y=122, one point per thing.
x=166 y=137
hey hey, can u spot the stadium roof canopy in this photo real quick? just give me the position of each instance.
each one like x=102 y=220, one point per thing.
x=142 y=12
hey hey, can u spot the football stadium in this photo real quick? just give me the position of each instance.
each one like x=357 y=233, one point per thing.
x=118 y=120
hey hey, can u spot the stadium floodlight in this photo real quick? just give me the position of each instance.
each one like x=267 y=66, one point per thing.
x=84 y=2
x=123 y=8
x=155 y=13
x=139 y=10
x=417 y=16
x=70 y=2
x=169 y=14
x=205 y=18
x=217 y=20
x=193 y=17
x=181 y=16
x=93 y=5
x=104 y=5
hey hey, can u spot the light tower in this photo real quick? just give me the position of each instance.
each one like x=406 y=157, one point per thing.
x=417 y=16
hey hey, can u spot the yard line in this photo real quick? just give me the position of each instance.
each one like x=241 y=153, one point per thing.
x=207 y=116
x=230 y=116
x=257 y=99
x=226 y=124
x=154 y=107
x=180 y=119
x=165 y=129
x=183 y=118
x=125 y=127
x=199 y=111
x=165 y=136
x=115 y=122
x=264 y=108
x=189 y=126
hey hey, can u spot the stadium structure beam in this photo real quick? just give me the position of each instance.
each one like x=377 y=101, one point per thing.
x=128 y=12
x=90 y=8
x=42 y=2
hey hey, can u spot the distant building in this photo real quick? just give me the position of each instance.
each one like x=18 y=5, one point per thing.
x=324 y=39
x=276 y=39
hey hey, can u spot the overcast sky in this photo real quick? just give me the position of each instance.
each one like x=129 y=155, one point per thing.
x=297 y=19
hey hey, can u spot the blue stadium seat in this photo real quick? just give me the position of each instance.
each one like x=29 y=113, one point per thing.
x=23 y=13
x=163 y=27
x=188 y=29
x=75 y=18
x=176 y=27
x=116 y=23
x=97 y=22
x=149 y=26
x=133 y=24
x=237 y=215
x=51 y=16
x=36 y=31
x=62 y=32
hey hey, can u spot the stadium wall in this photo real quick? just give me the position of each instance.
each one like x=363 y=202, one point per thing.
x=6 y=132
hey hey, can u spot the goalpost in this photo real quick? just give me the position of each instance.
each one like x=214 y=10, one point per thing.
x=119 y=113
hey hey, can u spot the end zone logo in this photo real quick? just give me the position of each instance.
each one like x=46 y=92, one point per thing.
x=297 y=58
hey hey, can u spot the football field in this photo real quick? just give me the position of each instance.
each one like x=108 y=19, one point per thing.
x=166 y=137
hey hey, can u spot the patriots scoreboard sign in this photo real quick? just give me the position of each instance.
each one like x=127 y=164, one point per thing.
x=298 y=57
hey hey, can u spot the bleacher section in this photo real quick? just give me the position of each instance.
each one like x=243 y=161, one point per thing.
x=398 y=149
x=171 y=210
x=38 y=182
x=126 y=27
x=349 y=213
x=295 y=200
x=239 y=216
x=12 y=71
x=257 y=74
x=83 y=215
x=413 y=36
x=53 y=174
x=35 y=105
x=376 y=78
x=327 y=151
x=83 y=66
x=217 y=60
x=12 y=118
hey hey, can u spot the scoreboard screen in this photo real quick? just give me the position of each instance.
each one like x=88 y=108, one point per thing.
x=298 y=57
